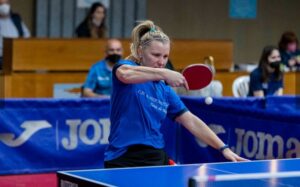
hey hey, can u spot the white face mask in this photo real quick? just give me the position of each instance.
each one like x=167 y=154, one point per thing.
x=4 y=9
x=96 y=22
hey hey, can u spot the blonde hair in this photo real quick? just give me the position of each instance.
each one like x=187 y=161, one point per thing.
x=142 y=35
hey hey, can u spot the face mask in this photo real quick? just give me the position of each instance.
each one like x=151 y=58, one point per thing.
x=96 y=22
x=4 y=9
x=113 y=58
x=275 y=65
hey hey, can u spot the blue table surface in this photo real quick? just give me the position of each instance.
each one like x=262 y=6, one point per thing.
x=180 y=174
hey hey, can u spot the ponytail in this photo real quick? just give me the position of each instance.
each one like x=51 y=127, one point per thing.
x=142 y=35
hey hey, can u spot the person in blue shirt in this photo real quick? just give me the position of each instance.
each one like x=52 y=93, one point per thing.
x=267 y=78
x=98 y=82
x=289 y=50
x=142 y=98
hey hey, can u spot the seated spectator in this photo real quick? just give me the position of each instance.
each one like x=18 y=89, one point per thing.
x=267 y=78
x=11 y=25
x=289 y=50
x=93 y=26
x=98 y=82
x=214 y=89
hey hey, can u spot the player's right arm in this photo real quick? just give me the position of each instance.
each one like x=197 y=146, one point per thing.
x=140 y=74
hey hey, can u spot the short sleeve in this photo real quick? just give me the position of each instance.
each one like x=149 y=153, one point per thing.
x=176 y=106
x=116 y=66
x=91 y=79
x=255 y=82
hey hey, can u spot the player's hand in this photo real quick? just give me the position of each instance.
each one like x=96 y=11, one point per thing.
x=175 y=79
x=228 y=154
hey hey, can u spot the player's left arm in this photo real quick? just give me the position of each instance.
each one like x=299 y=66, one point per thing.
x=199 y=129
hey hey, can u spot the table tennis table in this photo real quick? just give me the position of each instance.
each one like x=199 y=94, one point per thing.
x=282 y=172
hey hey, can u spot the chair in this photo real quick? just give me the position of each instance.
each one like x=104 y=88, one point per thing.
x=240 y=86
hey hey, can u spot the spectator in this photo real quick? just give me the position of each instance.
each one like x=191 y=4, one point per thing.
x=11 y=25
x=289 y=50
x=267 y=78
x=93 y=25
x=98 y=82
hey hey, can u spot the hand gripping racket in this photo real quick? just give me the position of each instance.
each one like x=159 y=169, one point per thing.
x=197 y=76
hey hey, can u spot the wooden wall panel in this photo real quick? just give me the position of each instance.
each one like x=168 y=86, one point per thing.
x=55 y=54
x=185 y=52
x=40 y=85
x=68 y=61
x=80 y=54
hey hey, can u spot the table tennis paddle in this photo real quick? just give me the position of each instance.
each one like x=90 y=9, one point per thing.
x=197 y=76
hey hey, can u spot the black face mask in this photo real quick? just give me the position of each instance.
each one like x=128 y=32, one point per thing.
x=114 y=58
x=275 y=65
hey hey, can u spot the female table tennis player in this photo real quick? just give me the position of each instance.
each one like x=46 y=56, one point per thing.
x=141 y=100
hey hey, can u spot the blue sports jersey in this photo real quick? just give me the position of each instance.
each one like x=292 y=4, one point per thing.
x=137 y=113
x=269 y=88
x=99 y=78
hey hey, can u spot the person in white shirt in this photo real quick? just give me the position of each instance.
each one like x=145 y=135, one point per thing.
x=11 y=25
